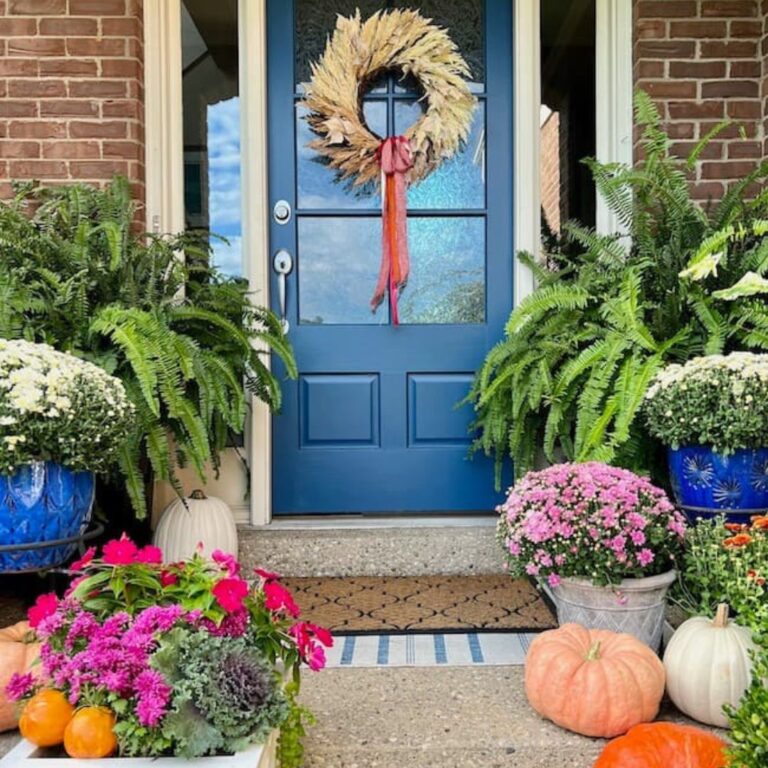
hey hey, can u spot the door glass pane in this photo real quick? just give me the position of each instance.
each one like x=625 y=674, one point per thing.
x=211 y=116
x=447 y=281
x=315 y=22
x=458 y=183
x=464 y=21
x=338 y=267
x=317 y=185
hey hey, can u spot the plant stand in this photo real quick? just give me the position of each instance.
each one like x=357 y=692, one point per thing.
x=94 y=530
x=27 y=755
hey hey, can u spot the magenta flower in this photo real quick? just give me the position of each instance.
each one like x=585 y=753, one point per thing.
x=267 y=575
x=150 y=555
x=44 y=606
x=89 y=554
x=19 y=686
x=226 y=561
x=120 y=551
x=278 y=599
x=152 y=696
x=168 y=579
x=230 y=593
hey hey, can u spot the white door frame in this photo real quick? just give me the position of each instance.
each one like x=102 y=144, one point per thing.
x=164 y=151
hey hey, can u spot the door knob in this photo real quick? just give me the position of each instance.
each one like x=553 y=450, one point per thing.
x=282 y=263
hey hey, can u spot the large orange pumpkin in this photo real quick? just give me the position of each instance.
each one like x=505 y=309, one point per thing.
x=90 y=733
x=664 y=745
x=592 y=681
x=16 y=655
x=44 y=718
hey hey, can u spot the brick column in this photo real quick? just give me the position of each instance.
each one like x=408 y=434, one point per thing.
x=71 y=91
x=701 y=61
x=764 y=84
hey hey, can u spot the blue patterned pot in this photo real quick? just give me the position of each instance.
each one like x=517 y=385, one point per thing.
x=706 y=483
x=42 y=502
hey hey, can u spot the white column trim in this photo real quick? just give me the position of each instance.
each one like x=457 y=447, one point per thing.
x=527 y=98
x=614 y=88
x=255 y=217
x=163 y=127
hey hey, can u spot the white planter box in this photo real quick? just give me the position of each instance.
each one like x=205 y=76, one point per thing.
x=27 y=755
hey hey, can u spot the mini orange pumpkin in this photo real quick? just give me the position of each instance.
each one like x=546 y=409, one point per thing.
x=664 y=745
x=90 y=733
x=44 y=718
x=16 y=655
x=592 y=681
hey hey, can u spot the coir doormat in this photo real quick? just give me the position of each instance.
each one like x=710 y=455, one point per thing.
x=358 y=605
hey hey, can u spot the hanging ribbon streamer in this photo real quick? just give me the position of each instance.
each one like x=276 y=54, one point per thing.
x=394 y=157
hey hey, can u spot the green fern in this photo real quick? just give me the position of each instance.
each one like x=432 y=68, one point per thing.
x=187 y=342
x=569 y=377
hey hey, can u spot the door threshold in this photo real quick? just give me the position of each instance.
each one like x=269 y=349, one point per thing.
x=363 y=522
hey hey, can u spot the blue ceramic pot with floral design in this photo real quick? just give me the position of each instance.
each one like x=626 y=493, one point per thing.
x=706 y=483
x=40 y=503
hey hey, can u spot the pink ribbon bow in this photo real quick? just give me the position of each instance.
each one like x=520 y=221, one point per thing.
x=395 y=158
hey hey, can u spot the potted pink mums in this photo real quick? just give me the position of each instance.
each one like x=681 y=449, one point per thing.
x=175 y=661
x=602 y=541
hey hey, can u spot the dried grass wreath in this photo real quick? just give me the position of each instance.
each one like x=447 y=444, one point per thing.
x=356 y=55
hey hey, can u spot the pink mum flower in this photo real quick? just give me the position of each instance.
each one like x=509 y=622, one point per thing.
x=20 y=686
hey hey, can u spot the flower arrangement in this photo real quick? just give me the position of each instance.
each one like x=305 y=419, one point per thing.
x=589 y=520
x=718 y=400
x=191 y=658
x=56 y=407
x=727 y=563
x=749 y=723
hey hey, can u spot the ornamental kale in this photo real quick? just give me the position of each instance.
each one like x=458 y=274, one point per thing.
x=719 y=400
x=229 y=686
x=591 y=521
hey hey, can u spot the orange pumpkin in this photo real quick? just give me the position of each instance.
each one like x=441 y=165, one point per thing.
x=90 y=733
x=16 y=655
x=44 y=718
x=592 y=681
x=664 y=745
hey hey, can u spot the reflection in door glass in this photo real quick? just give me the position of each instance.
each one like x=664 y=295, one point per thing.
x=447 y=282
x=211 y=116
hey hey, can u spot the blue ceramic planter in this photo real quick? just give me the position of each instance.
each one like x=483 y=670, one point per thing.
x=42 y=502
x=706 y=483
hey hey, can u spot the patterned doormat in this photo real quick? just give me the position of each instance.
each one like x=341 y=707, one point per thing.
x=368 y=604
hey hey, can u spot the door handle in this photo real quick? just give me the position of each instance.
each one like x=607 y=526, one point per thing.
x=282 y=263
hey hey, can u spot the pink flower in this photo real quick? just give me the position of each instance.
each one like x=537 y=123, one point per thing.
x=278 y=598
x=120 y=551
x=227 y=561
x=230 y=593
x=44 y=606
x=553 y=580
x=232 y=625
x=532 y=570
x=78 y=565
x=19 y=686
x=153 y=694
x=316 y=658
x=150 y=555
x=266 y=575
x=645 y=557
x=309 y=639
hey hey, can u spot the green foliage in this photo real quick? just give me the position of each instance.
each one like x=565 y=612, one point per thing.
x=749 y=724
x=150 y=309
x=611 y=310
x=290 y=747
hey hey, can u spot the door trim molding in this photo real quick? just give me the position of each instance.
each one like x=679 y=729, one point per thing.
x=164 y=151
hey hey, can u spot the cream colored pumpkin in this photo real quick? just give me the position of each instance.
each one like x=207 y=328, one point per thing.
x=708 y=665
x=16 y=655
x=199 y=519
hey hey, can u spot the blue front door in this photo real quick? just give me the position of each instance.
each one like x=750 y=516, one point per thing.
x=372 y=425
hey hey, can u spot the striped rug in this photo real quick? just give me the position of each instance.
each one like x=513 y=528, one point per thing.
x=430 y=650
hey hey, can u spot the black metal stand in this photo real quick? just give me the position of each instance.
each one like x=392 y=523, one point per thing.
x=94 y=529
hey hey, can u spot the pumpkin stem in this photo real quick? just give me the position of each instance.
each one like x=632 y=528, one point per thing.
x=197 y=495
x=721 y=617
x=594 y=652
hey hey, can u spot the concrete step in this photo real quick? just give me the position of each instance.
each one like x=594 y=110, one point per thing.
x=374 y=547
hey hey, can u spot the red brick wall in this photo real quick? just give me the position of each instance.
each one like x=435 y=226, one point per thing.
x=71 y=91
x=764 y=89
x=702 y=62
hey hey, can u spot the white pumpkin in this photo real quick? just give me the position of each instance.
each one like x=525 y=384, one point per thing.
x=198 y=519
x=708 y=665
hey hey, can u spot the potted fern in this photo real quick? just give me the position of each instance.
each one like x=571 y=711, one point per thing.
x=188 y=343
x=712 y=413
x=611 y=310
